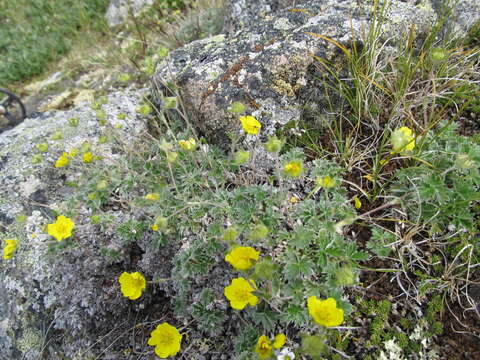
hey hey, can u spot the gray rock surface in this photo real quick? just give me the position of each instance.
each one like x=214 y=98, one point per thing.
x=265 y=57
x=64 y=303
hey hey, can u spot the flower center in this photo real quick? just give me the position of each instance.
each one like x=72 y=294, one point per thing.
x=242 y=295
x=166 y=339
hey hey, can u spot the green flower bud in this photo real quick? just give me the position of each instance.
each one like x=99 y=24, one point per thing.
x=43 y=147
x=121 y=116
x=258 y=232
x=172 y=157
x=102 y=185
x=57 y=135
x=237 y=108
x=265 y=269
x=274 y=144
x=144 y=110
x=464 y=162
x=123 y=78
x=230 y=234
x=241 y=157
x=170 y=102
x=85 y=147
x=21 y=218
x=92 y=196
x=73 y=122
x=162 y=52
x=345 y=276
x=439 y=54
x=37 y=158
x=166 y=146
x=314 y=346
x=162 y=222
x=95 y=219
x=102 y=139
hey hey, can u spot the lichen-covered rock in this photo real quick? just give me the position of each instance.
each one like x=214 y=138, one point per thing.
x=266 y=58
x=55 y=302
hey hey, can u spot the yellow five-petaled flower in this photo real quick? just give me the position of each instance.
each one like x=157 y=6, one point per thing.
x=166 y=339
x=188 y=145
x=325 y=312
x=62 y=160
x=239 y=292
x=402 y=140
x=61 y=229
x=293 y=168
x=132 y=285
x=264 y=347
x=9 y=249
x=242 y=257
x=88 y=157
x=250 y=124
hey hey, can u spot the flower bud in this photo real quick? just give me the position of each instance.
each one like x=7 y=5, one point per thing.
x=464 y=162
x=345 y=276
x=241 y=157
x=265 y=269
x=172 y=157
x=43 y=147
x=274 y=144
x=314 y=346
x=258 y=232
x=161 y=222
x=237 y=108
x=170 y=102
x=73 y=122
x=144 y=110
x=230 y=234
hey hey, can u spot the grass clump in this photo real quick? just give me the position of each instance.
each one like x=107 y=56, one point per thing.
x=34 y=33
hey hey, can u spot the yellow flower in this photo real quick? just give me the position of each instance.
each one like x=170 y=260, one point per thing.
x=152 y=196
x=154 y=227
x=358 y=203
x=250 y=125
x=9 y=248
x=264 y=347
x=294 y=199
x=293 y=168
x=242 y=257
x=166 y=339
x=369 y=177
x=402 y=140
x=132 y=285
x=61 y=229
x=325 y=312
x=279 y=341
x=87 y=157
x=188 y=145
x=62 y=160
x=239 y=292
x=326 y=182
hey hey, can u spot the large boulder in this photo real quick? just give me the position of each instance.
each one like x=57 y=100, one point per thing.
x=57 y=303
x=266 y=57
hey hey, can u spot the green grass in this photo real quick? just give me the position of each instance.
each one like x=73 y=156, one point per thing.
x=35 y=32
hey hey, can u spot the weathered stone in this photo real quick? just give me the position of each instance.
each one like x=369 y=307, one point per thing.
x=266 y=60
x=60 y=305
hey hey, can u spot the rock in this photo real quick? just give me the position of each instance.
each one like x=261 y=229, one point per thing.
x=61 y=303
x=266 y=60
x=119 y=10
